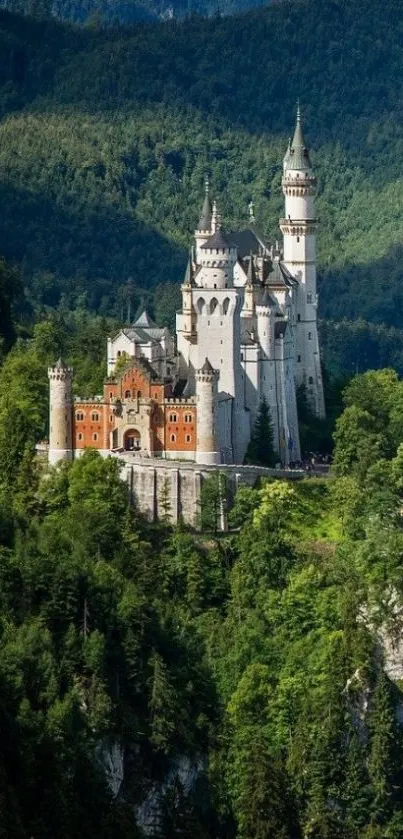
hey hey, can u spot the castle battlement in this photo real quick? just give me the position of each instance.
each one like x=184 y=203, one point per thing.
x=180 y=400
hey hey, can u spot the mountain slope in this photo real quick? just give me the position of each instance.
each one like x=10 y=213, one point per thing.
x=107 y=12
x=105 y=138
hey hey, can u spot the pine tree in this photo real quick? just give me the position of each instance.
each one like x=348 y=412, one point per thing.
x=384 y=763
x=261 y=450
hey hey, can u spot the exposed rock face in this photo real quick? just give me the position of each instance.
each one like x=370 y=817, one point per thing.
x=110 y=757
x=388 y=632
x=183 y=771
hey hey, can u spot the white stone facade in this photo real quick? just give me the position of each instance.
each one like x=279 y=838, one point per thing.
x=247 y=331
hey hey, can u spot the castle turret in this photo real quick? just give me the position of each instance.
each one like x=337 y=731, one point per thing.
x=204 y=227
x=206 y=391
x=299 y=230
x=188 y=310
x=60 y=413
x=217 y=256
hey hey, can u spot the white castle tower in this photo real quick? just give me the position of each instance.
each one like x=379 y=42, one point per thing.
x=299 y=231
x=209 y=326
x=60 y=412
x=206 y=392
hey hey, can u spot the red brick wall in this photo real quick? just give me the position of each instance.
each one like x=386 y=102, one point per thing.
x=135 y=382
x=179 y=428
x=87 y=427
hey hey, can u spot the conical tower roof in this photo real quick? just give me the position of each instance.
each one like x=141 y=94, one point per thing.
x=207 y=369
x=207 y=210
x=297 y=154
x=145 y=321
x=189 y=274
x=60 y=365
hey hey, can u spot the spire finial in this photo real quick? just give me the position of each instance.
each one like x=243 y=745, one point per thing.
x=206 y=185
x=251 y=208
x=298 y=113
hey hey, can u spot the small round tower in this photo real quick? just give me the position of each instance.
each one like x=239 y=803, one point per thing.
x=207 y=403
x=60 y=413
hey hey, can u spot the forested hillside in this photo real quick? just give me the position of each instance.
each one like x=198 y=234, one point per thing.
x=106 y=135
x=157 y=682
x=110 y=12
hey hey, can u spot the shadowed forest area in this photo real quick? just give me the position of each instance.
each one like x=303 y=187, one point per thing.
x=106 y=136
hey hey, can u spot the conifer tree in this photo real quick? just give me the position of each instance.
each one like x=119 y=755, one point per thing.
x=260 y=451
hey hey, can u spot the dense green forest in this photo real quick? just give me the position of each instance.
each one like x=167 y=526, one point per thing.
x=162 y=682
x=106 y=136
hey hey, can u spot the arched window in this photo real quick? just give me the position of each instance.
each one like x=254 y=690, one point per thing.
x=173 y=438
x=172 y=418
x=310 y=380
x=139 y=394
x=188 y=417
x=95 y=417
x=79 y=436
x=119 y=353
x=79 y=416
x=95 y=437
x=200 y=305
x=128 y=394
x=213 y=305
x=225 y=305
x=188 y=438
x=309 y=336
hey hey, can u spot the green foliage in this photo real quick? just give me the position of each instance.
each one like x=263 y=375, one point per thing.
x=260 y=451
x=102 y=168
x=213 y=501
x=252 y=661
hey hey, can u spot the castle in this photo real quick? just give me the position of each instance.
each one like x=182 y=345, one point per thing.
x=247 y=330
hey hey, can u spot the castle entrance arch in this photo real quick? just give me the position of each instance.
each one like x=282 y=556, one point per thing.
x=132 y=440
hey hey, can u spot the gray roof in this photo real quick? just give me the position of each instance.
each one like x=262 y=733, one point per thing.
x=248 y=241
x=207 y=368
x=280 y=275
x=145 y=321
x=206 y=213
x=218 y=240
x=297 y=154
x=189 y=274
x=144 y=336
x=268 y=300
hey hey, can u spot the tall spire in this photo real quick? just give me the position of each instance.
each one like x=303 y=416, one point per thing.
x=206 y=213
x=297 y=154
x=189 y=275
x=251 y=271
